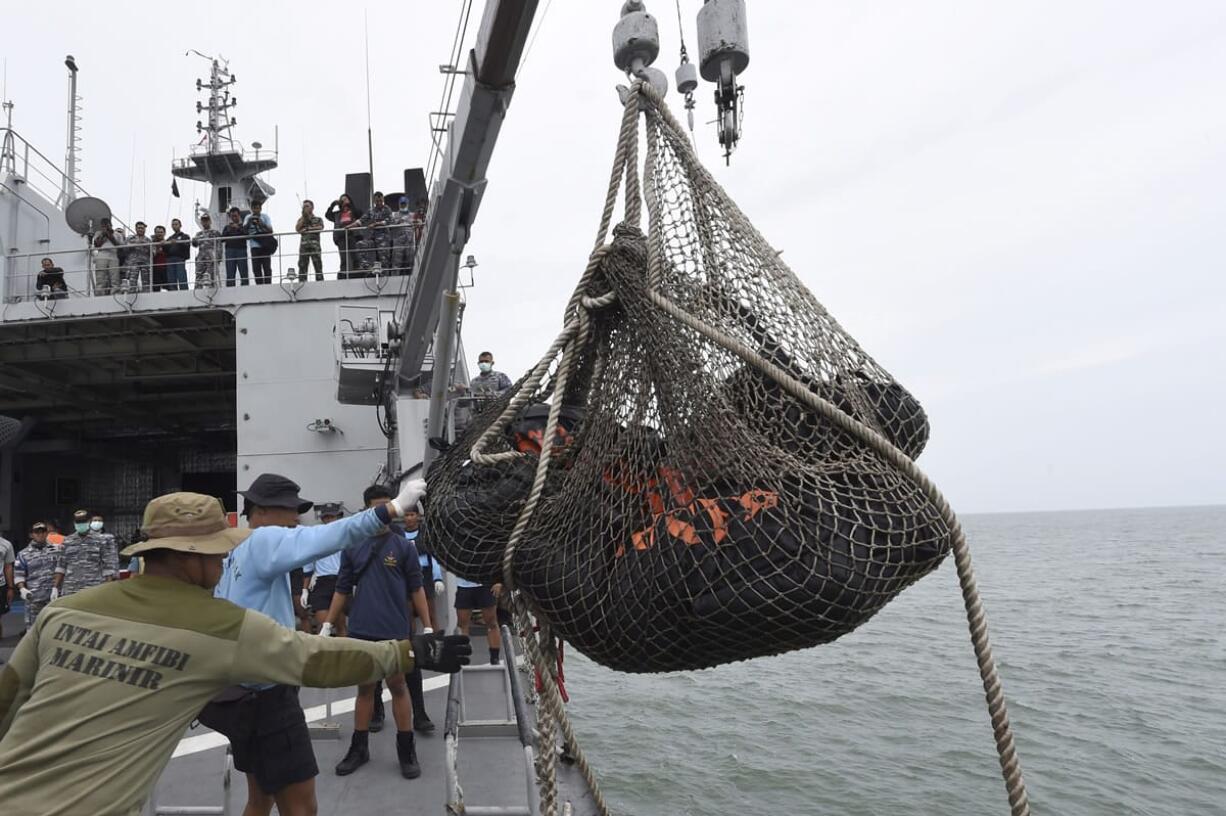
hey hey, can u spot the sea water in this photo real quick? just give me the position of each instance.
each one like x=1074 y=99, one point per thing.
x=1108 y=629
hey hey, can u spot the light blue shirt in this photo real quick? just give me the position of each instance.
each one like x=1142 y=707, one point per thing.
x=256 y=573
x=328 y=565
x=426 y=561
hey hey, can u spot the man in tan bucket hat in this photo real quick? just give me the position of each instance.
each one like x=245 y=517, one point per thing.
x=160 y=640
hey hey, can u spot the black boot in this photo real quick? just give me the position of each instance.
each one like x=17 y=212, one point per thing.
x=494 y=656
x=406 y=751
x=421 y=721
x=358 y=755
x=377 y=716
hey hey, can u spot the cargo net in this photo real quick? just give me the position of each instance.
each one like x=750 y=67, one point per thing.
x=692 y=511
x=704 y=467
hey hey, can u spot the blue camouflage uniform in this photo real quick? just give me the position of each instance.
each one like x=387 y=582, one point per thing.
x=36 y=566
x=89 y=560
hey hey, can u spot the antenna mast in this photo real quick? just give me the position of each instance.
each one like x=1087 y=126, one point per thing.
x=68 y=191
x=370 y=144
x=220 y=102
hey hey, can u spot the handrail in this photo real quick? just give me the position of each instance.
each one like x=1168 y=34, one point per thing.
x=63 y=177
x=203 y=151
x=151 y=245
x=390 y=259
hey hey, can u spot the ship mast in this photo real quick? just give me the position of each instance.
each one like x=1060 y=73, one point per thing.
x=68 y=190
x=217 y=158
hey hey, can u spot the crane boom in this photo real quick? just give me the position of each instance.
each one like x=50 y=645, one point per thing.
x=488 y=85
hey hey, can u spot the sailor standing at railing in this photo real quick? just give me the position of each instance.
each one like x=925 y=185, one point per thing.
x=401 y=233
x=106 y=258
x=374 y=246
x=208 y=252
x=140 y=259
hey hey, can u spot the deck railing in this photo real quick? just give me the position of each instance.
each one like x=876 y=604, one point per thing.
x=367 y=252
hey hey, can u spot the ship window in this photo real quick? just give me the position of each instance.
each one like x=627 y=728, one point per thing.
x=223 y=200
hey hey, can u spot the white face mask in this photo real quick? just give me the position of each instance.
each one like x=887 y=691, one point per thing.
x=96 y=526
x=486 y=368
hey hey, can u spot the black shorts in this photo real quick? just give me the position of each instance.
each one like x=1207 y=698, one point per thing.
x=474 y=598
x=268 y=736
x=320 y=597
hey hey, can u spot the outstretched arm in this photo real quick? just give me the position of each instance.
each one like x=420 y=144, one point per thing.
x=269 y=653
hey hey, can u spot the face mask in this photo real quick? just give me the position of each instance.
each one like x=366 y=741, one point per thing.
x=82 y=526
x=96 y=526
x=486 y=368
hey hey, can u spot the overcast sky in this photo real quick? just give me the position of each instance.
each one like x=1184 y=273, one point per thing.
x=1018 y=209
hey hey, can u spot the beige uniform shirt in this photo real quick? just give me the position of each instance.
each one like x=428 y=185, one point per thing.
x=99 y=692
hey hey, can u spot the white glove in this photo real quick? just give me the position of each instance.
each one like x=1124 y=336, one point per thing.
x=410 y=494
x=439 y=588
x=26 y=594
x=306 y=593
x=55 y=592
x=325 y=630
x=426 y=630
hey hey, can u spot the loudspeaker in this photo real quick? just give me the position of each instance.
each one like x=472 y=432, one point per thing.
x=357 y=187
x=415 y=186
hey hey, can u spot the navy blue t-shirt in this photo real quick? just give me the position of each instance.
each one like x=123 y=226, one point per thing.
x=380 y=608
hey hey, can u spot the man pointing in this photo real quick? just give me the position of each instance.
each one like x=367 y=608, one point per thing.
x=160 y=641
x=264 y=721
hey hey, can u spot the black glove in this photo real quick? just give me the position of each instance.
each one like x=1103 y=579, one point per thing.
x=441 y=653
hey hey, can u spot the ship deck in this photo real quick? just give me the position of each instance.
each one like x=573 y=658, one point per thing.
x=490 y=769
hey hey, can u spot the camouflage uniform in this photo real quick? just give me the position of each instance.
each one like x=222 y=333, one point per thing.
x=89 y=559
x=36 y=567
x=375 y=244
x=308 y=246
x=207 y=256
x=401 y=235
x=140 y=262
